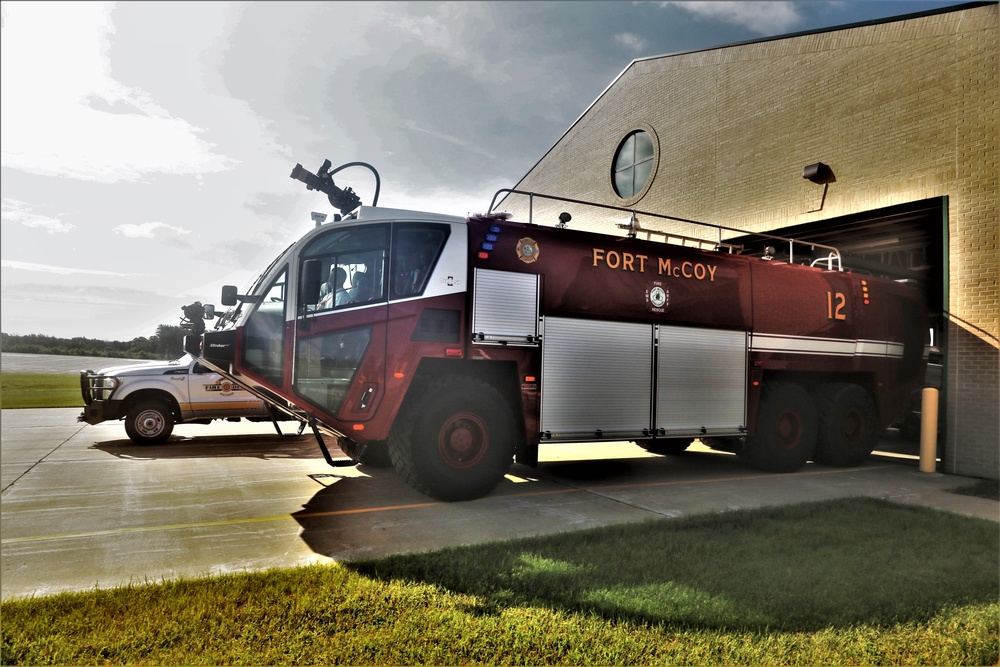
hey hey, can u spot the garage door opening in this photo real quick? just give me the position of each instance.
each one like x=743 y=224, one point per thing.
x=906 y=242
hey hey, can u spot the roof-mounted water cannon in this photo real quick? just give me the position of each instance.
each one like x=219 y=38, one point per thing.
x=194 y=316
x=345 y=200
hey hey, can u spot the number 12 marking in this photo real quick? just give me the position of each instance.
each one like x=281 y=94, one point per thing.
x=835 y=311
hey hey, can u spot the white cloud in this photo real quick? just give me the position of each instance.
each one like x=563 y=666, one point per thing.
x=20 y=212
x=765 y=18
x=64 y=116
x=147 y=230
x=61 y=270
x=631 y=42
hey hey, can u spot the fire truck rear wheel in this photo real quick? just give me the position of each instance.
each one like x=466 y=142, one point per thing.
x=785 y=436
x=456 y=440
x=848 y=425
x=149 y=422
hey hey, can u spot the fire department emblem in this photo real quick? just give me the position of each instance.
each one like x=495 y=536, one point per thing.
x=527 y=250
x=657 y=298
x=225 y=388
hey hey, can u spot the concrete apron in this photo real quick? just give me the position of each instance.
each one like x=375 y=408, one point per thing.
x=83 y=507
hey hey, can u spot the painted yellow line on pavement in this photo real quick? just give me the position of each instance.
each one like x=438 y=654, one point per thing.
x=393 y=508
x=207 y=524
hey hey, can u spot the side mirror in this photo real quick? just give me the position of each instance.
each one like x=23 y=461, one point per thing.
x=312 y=279
x=229 y=295
x=209 y=311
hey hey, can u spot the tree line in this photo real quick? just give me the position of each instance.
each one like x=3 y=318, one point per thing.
x=166 y=343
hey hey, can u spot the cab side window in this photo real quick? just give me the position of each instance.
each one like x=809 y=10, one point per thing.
x=415 y=250
x=352 y=263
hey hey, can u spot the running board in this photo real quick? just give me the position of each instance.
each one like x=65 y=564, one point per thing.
x=302 y=427
x=336 y=463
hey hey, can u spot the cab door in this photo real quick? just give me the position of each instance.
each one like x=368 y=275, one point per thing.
x=340 y=337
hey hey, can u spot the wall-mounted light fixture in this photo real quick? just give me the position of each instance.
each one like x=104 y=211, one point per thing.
x=820 y=174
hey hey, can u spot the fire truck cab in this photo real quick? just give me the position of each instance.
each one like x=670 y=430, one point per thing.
x=450 y=346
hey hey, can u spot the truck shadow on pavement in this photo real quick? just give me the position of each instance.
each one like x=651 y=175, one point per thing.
x=734 y=572
x=813 y=565
x=364 y=510
x=259 y=446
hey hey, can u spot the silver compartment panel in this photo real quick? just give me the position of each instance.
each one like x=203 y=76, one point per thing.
x=596 y=376
x=701 y=381
x=505 y=307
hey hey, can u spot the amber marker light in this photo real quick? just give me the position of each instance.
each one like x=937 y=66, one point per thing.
x=358 y=427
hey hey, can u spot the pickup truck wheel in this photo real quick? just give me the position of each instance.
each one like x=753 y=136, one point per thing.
x=785 y=437
x=848 y=425
x=455 y=441
x=149 y=422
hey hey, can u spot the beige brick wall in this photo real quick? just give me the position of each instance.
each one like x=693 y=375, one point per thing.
x=901 y=111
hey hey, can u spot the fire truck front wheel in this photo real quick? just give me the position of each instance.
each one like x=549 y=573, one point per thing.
x=785 y=436
x=456 y=440
x=374 y=453
x=848 y=425
x=149 y=422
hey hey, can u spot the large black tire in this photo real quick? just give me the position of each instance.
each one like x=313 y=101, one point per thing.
x=455 y=439
x=785 y=436
x=374 y=453
x=149 y=422
x=848 y=425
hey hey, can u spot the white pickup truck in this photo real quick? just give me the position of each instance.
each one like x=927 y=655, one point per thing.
x=152 y=397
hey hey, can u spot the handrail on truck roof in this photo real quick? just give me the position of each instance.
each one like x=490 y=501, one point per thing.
x=832 y=258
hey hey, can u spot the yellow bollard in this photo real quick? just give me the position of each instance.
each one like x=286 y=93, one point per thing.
x=928 y=429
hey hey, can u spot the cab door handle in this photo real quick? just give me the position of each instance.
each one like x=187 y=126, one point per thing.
x=366 y=397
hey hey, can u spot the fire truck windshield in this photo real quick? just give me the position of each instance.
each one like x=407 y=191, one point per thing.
x=263 y=350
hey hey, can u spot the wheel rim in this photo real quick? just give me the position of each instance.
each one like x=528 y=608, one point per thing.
x=149 y=423
x=853 y=427
x=463 y=440
x=788 y=429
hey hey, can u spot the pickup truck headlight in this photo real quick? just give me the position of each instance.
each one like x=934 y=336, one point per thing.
x=104 y=386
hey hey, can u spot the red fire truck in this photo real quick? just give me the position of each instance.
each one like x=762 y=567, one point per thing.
x=452 y=346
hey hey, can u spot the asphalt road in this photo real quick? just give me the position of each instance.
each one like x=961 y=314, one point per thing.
x=17 y=362
x=84 y=507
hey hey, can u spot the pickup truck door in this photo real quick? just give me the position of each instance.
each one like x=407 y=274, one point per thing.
x=212 y=396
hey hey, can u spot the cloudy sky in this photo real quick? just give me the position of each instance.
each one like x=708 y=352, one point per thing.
x=146 y=146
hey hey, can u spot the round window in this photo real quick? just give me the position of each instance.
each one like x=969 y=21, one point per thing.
x=633 y=164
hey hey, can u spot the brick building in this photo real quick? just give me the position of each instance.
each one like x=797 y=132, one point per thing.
x=902 y=112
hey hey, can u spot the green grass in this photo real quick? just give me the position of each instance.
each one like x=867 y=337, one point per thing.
x=854 y=581
x=39 y=390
